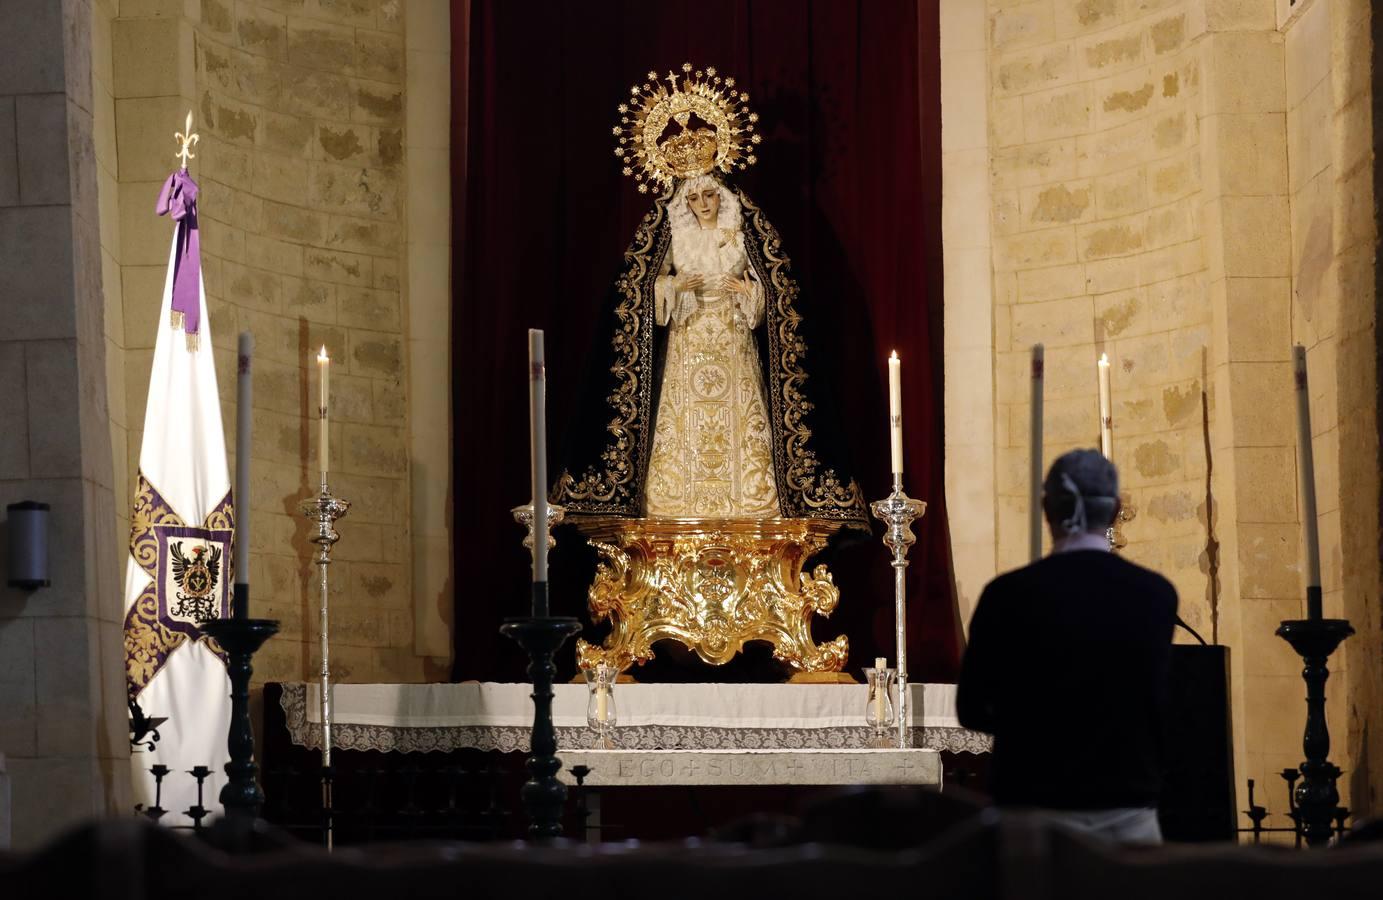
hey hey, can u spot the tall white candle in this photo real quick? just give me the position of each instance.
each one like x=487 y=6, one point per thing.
x=537 y=413
x=244 y=406
x=602 y=707
x=1106 y=417
x=1307 y=467
x=1035 y=453
x=323 y=393
x=895 y=411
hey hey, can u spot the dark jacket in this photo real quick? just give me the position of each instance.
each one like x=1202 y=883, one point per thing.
x=1067 y=667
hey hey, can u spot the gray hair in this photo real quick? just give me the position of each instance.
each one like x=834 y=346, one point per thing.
x=1081 y=492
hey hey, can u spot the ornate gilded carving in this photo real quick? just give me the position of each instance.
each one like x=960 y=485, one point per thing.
x=712 y=585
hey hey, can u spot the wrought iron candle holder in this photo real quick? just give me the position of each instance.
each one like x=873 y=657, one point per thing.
x=1317 y=798
x=898 y=511
x=543 y=795
x=240 y=638
x=323 y=511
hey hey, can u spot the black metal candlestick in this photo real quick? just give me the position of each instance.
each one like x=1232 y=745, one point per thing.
x=541 y=636
x=240 y=638
x=1317 y=798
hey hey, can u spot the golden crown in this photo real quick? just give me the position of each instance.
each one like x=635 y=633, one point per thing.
x=726 y=144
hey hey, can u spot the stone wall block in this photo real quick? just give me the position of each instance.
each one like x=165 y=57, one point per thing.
x=290 y=135
x=293 y=223
x=1063 y=112
x=1035 y=249
x=1054 y=323
x=1175 y=178
x=1033 y=164
x=1255 y=387
x=1271 y=476
x=339 y=266
x=1114 y=237
x=390 y=404
x=1256 y=235
x=1122 y=193
x=260 y=80
x=362 y=13
x=1258 y=315
x=345 y=143
x=308 y=299
x=1032 y=70
x=38 y=297
x=233 y=166
x=316 y=44
x=1039 y=285
x=42 y=134
x=1063 y=203
x=218 y=16
x=275 y=256
x=1269 y=560
x=362 y=235
x=9 y=154
x=214 y=65
x=1112 y=51
x=379 y=56
x=31 y=57
x=377 y=104
x=282 y=178
x=1246 y=72
x=251 y=288
x=368 y=308
x=383 y=586
x=145 y=56
x=261 y=31
x=386 y=274
x=355 y=190
x=1022 y=25
x=14 y=438
x=318 y=95
x=375 y=450
x=355 y=402
x=375 y=353
x=1239 y=15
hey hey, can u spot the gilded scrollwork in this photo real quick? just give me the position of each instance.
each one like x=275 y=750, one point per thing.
x=712 y=585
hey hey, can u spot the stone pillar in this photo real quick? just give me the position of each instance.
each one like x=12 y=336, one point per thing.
x=63 y=722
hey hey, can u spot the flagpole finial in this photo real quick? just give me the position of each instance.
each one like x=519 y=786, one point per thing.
x=186 y=139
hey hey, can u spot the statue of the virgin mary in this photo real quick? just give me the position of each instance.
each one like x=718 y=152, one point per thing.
x=702 y=414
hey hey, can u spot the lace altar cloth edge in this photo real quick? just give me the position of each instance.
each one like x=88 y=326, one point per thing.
x=420 y=718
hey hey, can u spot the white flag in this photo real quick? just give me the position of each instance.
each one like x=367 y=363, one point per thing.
x=181 y=529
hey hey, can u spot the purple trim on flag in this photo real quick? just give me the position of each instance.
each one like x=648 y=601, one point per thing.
x=179 y=197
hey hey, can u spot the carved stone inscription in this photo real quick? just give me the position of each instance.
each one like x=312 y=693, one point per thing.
x=632 y=768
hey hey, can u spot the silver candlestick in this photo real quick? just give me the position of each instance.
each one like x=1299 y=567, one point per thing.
x=524 y=516
x=323 y=510
x=897 y=511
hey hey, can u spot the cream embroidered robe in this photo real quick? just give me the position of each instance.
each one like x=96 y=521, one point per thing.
x=711 y=452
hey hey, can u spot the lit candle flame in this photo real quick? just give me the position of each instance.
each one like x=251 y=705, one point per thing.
x=893 y=355
x=322 y=356
x=1104 y=359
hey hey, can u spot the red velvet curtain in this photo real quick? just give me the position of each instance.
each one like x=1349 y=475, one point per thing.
x=848 y=95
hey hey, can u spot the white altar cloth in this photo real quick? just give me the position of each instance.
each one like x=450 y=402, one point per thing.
x=489 y=716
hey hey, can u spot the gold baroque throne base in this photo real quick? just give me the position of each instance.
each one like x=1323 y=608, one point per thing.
x=712 y=585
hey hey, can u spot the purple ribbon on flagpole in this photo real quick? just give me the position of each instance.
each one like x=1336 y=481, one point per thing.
x=179 y=197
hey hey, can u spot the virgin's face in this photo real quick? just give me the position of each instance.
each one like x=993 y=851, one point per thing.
x=705 y=205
